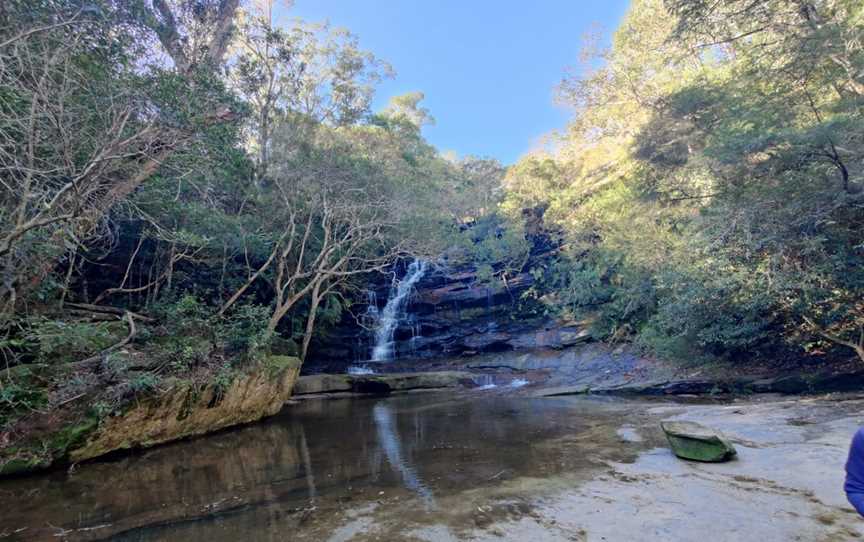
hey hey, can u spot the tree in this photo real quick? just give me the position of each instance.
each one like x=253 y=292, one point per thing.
x=785 y=39
x=708 y=189
x=302 y=69
x=78 y=133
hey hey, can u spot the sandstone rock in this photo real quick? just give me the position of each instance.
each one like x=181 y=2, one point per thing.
x=184 y=411
x=693 y=441
x=323 y=383
x=380 y=383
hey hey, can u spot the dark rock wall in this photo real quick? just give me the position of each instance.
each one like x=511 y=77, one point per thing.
x=451 y=313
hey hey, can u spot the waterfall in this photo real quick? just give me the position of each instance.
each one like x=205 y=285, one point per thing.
x=394 y=311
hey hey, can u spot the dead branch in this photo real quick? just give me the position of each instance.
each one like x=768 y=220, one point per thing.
x=133 y=332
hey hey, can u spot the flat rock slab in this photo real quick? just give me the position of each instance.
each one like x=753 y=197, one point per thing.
x=696 y=442
x=380 y=383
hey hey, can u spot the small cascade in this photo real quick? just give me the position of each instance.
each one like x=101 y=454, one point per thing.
x=360 y=370
x=371 y=306
x=484 y=382
x=415 y=336
x=394 y=311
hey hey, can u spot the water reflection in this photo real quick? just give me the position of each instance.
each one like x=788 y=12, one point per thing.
x=388 y=437
x=298 y=472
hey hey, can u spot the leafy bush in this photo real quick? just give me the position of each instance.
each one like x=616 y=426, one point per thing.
x=185 y=316
x=245 y=331
x=61 y=341
x=144 y=383
x=18 y=397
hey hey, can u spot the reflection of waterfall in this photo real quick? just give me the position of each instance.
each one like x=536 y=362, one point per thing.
x=394 y=310
x=307 y=465
x=388 y=438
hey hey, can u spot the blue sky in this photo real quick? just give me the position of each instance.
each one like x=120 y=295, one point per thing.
x=488 y=68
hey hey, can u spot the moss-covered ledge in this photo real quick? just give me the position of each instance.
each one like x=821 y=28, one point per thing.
x=180 y=411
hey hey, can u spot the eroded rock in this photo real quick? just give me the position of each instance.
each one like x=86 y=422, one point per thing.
x=184 y=410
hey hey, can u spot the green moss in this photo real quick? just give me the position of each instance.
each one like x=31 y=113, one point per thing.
x=42 y=453
x=276 y=364
x=21 y=465
x=67 y=438
x=692 y=441
x=193 y=394
x=21 y=391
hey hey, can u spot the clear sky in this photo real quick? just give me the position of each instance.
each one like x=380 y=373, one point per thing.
x=488 y=67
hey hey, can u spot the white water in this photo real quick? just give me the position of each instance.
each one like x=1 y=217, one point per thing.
x=394 y=311
x=485 y=382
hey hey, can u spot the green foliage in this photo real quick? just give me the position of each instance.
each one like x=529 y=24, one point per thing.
x=496 y=248
x=709 y=196
x=185 y=316
x=19 y=397
x=222 y=381
x=144 y=383
x=245 y=332
x=58 y=341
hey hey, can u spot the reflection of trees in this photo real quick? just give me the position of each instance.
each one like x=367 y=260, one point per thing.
x=263 y=479
x=253 y=465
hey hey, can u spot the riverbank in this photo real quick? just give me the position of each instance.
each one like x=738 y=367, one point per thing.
x=466 y=466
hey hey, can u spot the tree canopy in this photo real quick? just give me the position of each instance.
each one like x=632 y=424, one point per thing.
x=709 y=186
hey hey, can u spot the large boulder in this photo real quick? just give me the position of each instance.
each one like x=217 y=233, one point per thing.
x=693 y=441
x=181 y=409
x=185 y=410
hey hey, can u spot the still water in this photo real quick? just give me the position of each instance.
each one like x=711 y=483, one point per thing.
x=321 y=469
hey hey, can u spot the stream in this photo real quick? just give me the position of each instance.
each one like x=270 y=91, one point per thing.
x=465 y=466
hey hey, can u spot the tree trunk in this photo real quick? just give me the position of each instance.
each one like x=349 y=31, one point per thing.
x=310 y=320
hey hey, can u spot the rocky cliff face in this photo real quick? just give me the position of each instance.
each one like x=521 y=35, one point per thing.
x=451 y=313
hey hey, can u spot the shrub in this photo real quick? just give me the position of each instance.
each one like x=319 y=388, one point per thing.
x=245 y=332
x=61 y=341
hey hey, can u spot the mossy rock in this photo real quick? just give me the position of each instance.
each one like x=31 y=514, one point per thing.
x=42 y=453
x=23 y=465
x=693 y=441
x=276 y=364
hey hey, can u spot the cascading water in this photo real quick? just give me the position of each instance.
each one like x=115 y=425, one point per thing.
x=394 y=311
